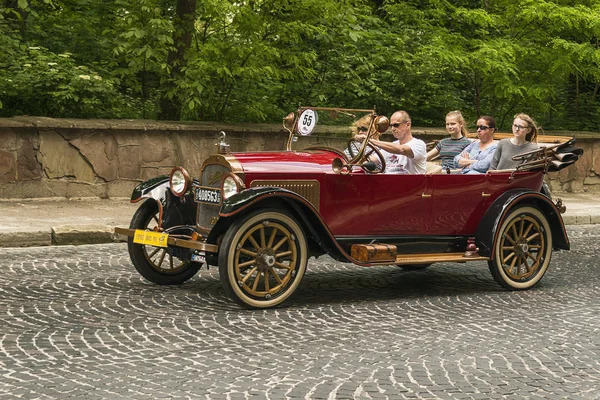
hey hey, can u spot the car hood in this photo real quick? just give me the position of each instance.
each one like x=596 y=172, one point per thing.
x=287 y=161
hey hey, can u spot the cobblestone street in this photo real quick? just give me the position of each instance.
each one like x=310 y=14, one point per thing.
x=79 y=322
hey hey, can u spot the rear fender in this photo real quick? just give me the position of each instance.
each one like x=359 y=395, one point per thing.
x=273 y=197
x=486 y=234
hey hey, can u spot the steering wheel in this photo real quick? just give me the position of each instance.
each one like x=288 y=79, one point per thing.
x=368 y=165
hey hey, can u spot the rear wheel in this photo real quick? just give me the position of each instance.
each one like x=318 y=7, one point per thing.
x=156 y=264
x=522 y=249
x=262 y=259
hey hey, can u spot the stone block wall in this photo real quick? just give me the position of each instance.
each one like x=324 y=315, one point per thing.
x=45 y=157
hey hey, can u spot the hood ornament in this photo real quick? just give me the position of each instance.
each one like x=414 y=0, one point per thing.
x=222 y=146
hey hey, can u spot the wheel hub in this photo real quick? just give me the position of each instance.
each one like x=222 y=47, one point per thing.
x=265 y=259
x=521 y=247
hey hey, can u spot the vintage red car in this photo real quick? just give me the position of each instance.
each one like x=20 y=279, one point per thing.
x=260 y=216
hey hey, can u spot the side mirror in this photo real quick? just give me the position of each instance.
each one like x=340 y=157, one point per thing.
x=382 y=124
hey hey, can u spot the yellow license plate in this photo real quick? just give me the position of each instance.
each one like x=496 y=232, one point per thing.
x=151 y=238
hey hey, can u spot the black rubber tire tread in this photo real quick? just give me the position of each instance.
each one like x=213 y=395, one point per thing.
x=414 y=267
x=137 y=252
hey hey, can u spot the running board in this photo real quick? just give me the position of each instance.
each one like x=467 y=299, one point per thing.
x=430 y=258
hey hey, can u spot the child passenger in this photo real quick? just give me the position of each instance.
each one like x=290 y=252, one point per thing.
x=448 y=148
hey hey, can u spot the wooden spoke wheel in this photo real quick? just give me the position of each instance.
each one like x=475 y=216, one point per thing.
x=262 y=259
x=157 y=264
x=522 y=249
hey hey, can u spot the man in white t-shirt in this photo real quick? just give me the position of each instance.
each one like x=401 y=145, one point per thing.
x=407 y=155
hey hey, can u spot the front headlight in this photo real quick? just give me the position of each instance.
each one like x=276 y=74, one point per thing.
x=231 y=185
x=179 y=181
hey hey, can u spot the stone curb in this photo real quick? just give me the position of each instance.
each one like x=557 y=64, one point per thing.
x=62 y=235
x=581 y=219
x=96 y=234
x=83 y=234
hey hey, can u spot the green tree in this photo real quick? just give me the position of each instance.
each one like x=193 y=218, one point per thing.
x=254 y=60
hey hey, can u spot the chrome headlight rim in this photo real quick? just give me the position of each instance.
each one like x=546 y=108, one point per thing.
x=231 y=185
x=179 y=181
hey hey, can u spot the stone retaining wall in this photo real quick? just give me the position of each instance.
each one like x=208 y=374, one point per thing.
x=45 y=157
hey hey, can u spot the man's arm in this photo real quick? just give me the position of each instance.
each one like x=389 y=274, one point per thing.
x=394 y=148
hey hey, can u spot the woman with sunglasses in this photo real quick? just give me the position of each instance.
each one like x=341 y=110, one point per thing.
x=523 y=141
x=477 y=156
x=448 y=148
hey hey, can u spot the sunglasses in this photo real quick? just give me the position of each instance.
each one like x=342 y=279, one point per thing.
x=362 y=129
x=482 y=127
x=397 y=124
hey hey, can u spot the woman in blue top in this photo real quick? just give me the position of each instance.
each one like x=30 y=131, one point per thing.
x=477 y=156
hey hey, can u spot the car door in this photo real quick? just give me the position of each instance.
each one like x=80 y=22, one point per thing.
x=376 y=204
x=458 y=200
x=461 y=200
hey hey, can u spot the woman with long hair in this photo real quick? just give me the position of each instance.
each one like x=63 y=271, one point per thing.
x=524 y=140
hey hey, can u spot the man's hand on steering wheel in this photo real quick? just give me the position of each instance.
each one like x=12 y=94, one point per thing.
x=373 y=160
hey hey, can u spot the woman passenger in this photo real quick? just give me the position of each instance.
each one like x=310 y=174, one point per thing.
x=360 y=126
x=523 y=141
x=448 y=148
x=477 y=156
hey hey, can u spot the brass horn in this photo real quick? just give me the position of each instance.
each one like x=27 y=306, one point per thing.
x=339 y=167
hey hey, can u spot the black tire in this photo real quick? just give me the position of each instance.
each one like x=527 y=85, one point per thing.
x=262 y=259
x=414 y=267
x=155 y=263
x=522 y=249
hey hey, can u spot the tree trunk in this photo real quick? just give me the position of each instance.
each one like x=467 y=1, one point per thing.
x=16 y=23
x=170 y=108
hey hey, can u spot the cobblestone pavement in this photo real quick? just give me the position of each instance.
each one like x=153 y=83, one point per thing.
x=78 y=322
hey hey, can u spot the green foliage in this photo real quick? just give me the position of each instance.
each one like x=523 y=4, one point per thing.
x=39 y=82
x=255 y=60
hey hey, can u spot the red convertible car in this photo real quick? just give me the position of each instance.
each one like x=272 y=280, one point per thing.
x=260 y=216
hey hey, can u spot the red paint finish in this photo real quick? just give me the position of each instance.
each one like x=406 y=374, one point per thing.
x=459 y=201
x=361 y=204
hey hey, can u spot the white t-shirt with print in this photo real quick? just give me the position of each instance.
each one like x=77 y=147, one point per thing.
x=399 y=164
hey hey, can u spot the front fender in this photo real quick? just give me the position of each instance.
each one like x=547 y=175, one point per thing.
x=275 y=197
x=486 y=233
x=152 y=188
x=245 y=198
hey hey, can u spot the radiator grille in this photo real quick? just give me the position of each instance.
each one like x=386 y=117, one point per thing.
x=211 y=177
x=309 y=189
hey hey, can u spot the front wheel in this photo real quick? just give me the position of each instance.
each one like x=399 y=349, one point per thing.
x=522 y=249
x=157 y=264
x=262 y=259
